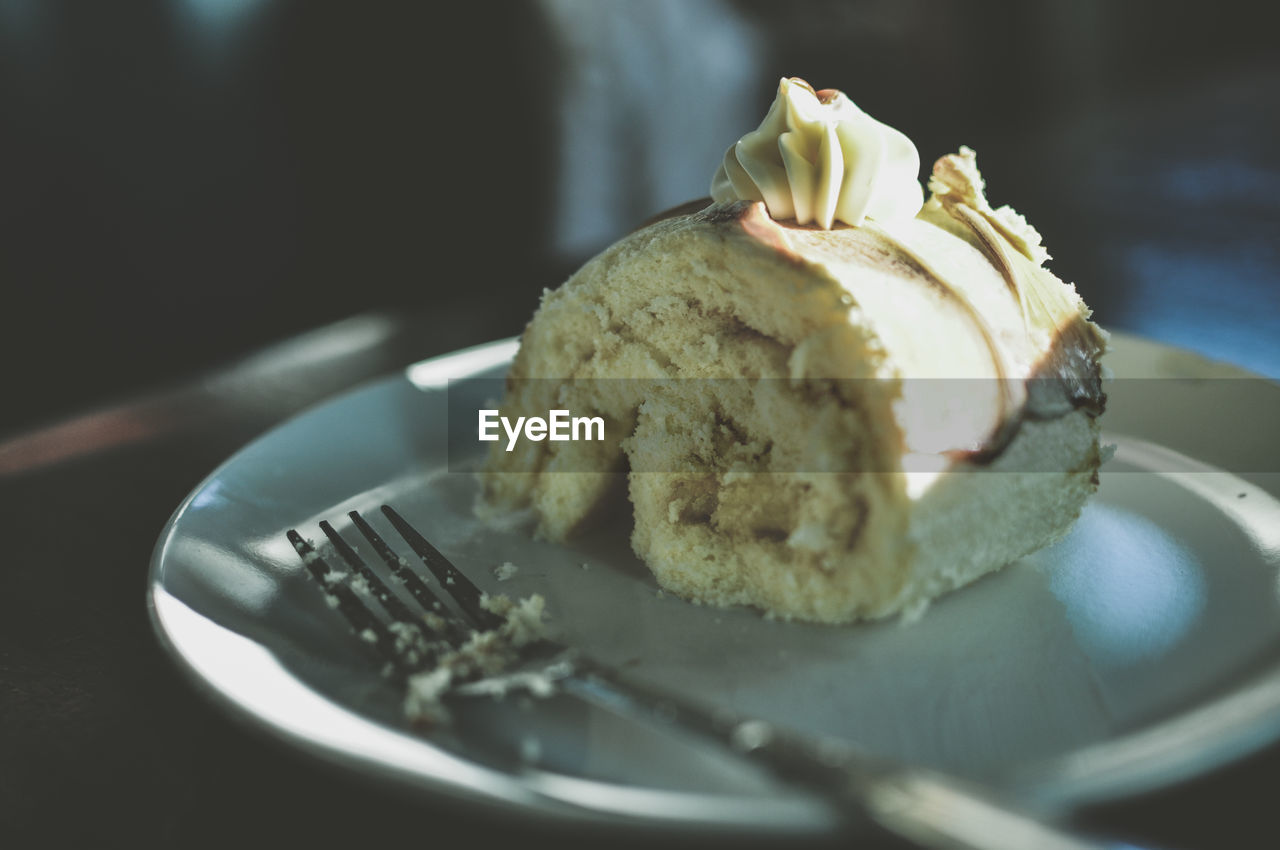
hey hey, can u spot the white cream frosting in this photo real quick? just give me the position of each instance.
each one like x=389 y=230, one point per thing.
x=819 y=159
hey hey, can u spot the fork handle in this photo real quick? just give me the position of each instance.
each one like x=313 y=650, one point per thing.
x=936 y=812
x=927 y=809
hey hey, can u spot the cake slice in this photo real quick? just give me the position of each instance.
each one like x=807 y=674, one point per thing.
x=832 y=402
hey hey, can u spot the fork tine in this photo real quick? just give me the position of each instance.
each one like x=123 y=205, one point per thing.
x=417 y=587
x=454 y=582
x=397 y=609
x=358 y=616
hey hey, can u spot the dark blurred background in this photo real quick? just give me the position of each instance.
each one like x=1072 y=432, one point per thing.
x=182 y=181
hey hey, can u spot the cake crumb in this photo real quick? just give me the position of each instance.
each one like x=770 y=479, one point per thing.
x=481 y=659
x=505 y=571
x=751 y=735
x=913 y=611
x=424 y=699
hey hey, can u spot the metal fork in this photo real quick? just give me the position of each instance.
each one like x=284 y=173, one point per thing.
x=926 y=808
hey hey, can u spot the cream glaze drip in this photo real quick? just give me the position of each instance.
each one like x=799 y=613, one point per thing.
x=1032 y=385
x=1037 y=351
x=1069 y=377
x=817 y=158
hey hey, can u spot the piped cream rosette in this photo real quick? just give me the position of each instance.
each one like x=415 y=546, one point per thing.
x=817 y=158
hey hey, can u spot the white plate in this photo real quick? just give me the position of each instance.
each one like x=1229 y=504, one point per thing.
x=1141 y=649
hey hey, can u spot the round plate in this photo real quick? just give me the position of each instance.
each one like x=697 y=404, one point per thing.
x=1140 y=649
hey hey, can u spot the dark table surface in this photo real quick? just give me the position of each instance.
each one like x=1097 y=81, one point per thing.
x=100 y=737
